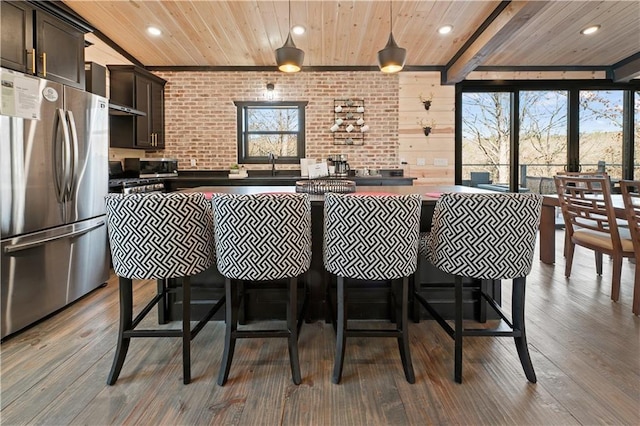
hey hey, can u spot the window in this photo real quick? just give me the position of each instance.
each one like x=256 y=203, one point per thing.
x=521 y=133
x=271 y=127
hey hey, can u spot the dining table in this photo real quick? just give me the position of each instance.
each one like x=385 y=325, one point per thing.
x=548 y=223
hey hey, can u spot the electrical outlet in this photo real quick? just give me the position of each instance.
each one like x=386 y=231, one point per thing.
x=193 y=162
x=440 y=162
x=421 y=162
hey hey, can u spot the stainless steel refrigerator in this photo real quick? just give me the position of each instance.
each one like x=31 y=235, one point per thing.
x=53 y=178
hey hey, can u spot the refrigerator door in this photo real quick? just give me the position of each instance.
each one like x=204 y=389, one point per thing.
x=32 y=159
x=44 y=271
x=88 y=119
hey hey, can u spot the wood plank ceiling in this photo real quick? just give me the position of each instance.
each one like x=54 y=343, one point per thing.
x=348 y=33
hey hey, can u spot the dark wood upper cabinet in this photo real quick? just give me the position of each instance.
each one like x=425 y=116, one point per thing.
x=139 y=89
x=39 y=43
x=60 y=51
x=17 y=36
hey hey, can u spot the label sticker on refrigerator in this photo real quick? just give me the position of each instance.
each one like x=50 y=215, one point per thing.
x=50 y=94
x=20 y=95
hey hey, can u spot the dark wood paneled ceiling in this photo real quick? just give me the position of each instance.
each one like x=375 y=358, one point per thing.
x=245 y=33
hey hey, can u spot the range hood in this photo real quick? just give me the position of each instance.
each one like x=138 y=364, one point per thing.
x=115 y=109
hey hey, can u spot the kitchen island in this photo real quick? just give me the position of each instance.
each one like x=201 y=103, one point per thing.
x=370 y=300
x=194 y=179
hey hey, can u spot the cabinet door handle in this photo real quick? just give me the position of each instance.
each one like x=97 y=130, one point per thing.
x=32 y=52
x=44 y=64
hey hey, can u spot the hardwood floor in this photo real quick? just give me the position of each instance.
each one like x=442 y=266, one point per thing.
x=585 y=349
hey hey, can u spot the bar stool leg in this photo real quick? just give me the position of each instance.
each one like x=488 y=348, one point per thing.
x=126 y=320
x=330 y=316
x=341 y=338
x=402 y=317
x=292 y=325
x=458 y=330
x=231 y=318
x=186 y=330
x=163 y=305
x=517 y=302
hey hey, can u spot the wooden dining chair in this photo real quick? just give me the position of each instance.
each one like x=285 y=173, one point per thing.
x=575 y=174
x=631 y=196
x=591 y=223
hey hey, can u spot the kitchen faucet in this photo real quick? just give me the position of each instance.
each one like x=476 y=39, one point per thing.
x=272 y=159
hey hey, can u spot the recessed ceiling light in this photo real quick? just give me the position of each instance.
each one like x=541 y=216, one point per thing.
x=590 y=30
x=445 y=29
x=154 y=31
x=298 y=29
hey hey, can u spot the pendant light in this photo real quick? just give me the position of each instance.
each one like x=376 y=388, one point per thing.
x=289 y=58
x=391 y=58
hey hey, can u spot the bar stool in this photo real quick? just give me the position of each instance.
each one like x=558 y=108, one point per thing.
x=372 y=237
x=158 y=236
x=261 y=237
x=486 y=237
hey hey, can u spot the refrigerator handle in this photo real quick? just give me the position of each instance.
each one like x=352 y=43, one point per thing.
x=60 y=155
x=73 y=142
x=24 y=246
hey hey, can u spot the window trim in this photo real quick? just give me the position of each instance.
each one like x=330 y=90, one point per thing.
x=241 y=117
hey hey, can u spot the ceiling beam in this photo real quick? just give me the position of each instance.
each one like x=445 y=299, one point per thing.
x=490 y=37
x=626 y=69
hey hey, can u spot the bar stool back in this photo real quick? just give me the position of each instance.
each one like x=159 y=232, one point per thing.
x=486 y=237
x=261 y=237
x=372 y=237
x=158 y=236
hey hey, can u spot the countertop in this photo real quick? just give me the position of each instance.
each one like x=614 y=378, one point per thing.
x=430 y=194
x=214 y=178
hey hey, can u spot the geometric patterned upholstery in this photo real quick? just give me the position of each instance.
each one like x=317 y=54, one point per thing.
x=484 y=236
x=371 y=237
x=262 y=236
x=422 y=244
x=160 y=236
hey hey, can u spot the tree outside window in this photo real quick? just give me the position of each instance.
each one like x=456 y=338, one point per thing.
x=266 y=128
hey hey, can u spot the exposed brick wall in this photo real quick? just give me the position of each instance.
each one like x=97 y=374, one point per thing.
x=200 y=116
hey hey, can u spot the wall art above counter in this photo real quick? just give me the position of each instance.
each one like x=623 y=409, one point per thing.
x=349 y=125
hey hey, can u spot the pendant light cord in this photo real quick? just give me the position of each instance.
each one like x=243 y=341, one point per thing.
x=390 y=16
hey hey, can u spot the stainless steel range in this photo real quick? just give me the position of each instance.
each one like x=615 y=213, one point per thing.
x=123 y=183
x=135 y=185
